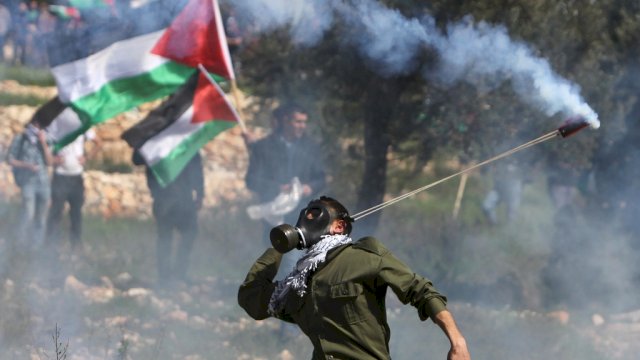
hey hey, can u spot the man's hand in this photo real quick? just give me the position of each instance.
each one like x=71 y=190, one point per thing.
x=58 y=160
x=249 y=138
x=42 y=136
x=306 y=190
x=285 y=188
x=459 y=351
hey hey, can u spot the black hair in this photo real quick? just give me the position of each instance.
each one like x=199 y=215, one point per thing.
x=341 y=210
x=285 y=111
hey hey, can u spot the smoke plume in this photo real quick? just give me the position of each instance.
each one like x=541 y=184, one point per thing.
x=468 y=51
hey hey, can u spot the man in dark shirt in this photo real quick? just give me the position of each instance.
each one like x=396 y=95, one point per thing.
x=175 y=207
x=286 y=153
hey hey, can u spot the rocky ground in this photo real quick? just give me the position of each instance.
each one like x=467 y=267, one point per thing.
x=124 y=316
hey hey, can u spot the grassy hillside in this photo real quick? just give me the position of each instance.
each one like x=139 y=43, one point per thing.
x=27 y=75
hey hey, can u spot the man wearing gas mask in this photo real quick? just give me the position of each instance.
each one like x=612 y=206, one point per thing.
x=336 y=292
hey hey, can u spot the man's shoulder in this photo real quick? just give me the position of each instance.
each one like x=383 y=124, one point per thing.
x=266 y=141
x=370 y=244
x=16 y=142
x=17 y=137
x=308 y=140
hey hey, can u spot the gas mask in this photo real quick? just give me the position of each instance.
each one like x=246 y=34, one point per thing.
x=314 y=221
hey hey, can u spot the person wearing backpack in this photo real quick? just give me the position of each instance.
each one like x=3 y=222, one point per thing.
x=29 y=157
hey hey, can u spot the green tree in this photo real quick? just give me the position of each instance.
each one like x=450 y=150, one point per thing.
x=373 y=114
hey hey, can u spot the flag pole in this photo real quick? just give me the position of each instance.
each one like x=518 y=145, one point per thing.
x=214 y=83
x=236 y=99
x=227 y=56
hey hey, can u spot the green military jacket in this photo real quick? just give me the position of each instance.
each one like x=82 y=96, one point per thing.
x=343 y=312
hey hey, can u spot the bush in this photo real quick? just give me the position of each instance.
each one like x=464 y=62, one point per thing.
x=27 y=75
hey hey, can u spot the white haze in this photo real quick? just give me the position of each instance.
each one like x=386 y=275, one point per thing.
x=468 y=51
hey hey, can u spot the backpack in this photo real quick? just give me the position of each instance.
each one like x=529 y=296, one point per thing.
x=21 y=175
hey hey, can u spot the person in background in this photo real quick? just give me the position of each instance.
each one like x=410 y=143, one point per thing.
x=5 y=27
x=509 y=178
x=20 y=34
x=508 y=182
x=232 y=30
x=562 y=185
x=67 y=186
x=286 y=153
x=46 y=26
x=175 y=207
x=336 y=293
x=30 y=156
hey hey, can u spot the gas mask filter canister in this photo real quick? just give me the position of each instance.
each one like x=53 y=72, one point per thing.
x=314 y=222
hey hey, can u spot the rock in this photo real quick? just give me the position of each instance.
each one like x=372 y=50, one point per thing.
x=178 y=315
x=99 y=295
x=561 y=316
x=106 y=282
x=285 y=355
x=123 y=280
x=142 y=296
x=633 y=316
x=9 y=288
x=185 y=297
x=89 y=294
x=73 y=285
x=597 y=319
x=199 y=321
x=138 y=292
x=116 y=321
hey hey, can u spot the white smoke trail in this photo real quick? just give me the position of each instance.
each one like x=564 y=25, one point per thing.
x=385 y=36
x=308 y=20
x=468 y=52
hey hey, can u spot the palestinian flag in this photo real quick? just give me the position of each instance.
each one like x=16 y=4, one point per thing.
x=138 y=62
x=198 y=27
x=174 y=132
x=64 y=12
x=57 y=118
x=90 y=4
x=48 y=112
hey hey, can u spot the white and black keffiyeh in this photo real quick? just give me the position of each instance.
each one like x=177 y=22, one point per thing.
x=297 y=279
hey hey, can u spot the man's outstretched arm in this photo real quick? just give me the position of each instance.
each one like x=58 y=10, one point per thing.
x=458 y=350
